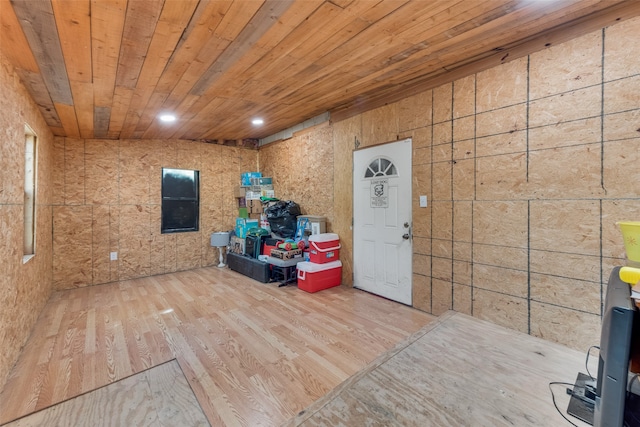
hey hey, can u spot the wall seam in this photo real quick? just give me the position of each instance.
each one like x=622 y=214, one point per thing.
x=528 y=198
x=529 y=266
x=602 y=65
x=527 y=114
x=453 y=163
x=431 y=216
x=475 y=179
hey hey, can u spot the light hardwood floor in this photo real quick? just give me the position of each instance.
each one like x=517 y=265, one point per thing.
x=254 y=354
x=158 y=396
x=457 y=371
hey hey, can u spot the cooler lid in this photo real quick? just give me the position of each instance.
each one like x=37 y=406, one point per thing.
x=323 y=237
x=312 y=267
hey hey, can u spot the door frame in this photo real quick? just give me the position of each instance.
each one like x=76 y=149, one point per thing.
x=355 y=179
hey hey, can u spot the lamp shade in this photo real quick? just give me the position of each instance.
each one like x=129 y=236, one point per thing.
x=220 y=239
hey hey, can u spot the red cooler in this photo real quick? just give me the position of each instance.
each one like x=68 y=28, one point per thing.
x=316 y=277
x=324 y=247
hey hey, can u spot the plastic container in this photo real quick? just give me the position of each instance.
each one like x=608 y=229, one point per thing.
x=316 y=277
x=324 y=248
x=245 y=177
x=312 y=224
x=243 y=225
x=630 y=275
x=631 y=235
x=268 y=244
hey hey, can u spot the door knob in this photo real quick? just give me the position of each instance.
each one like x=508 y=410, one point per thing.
x=406 y=236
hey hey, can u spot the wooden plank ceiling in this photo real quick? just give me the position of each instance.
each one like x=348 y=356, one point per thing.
x=108 y=68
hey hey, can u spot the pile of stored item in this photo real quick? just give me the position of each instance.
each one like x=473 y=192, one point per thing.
x=273 y=242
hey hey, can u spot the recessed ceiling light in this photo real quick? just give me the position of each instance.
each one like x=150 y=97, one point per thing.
x=257 y=122
x=167 y=118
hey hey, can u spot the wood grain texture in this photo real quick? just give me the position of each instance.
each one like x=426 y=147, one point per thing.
x=38 y=92
x=168 y=30
x=253 y=353
x=39 y=26
x=455 y=371
x=14 y=44
x=24 y=286
x=74 y=31
x=126 y=176
x=158 y=396
x=107 y=22
x=217 y=64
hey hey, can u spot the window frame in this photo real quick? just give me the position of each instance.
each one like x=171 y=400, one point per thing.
x=389 y=171
x=30 y=189
x=179 y=200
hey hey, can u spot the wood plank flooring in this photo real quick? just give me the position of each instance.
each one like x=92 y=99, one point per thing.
x=254 y=354
x=159 y=396
x=457 y=371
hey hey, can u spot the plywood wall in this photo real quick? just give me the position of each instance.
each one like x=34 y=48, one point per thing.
x=302 y=169
x=107 y=199
x=527 y=167
x=24 y=286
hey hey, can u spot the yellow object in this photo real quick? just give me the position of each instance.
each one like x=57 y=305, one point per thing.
x=629 y=275
x=631 y=234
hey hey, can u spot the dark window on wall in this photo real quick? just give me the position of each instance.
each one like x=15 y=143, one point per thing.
x=180 y=200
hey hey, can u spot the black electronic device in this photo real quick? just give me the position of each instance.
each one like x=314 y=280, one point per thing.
x=604 y=401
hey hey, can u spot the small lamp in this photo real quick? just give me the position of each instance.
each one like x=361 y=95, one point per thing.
x=220 y=240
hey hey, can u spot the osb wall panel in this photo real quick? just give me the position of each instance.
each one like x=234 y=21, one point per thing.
x=527 y=167
x=579 y=61
x=135 y=241
x=100 y=243
x=345 y=135
x=72 y=246
x=57 y=173
x=494 y=91
x=302 y=170
x=111 y=202
x=74 y=177
x=24 y=287
x=135 y=172
x=415 y=112
x=102 y=167
x=621 y=51
x=380 y=125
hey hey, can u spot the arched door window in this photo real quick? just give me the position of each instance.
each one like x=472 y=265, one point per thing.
x=380 y=167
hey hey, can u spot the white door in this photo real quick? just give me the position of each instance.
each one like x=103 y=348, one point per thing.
x=382 y=241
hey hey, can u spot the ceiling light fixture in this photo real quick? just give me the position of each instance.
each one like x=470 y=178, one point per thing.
x=257 y=122
x=167 y=118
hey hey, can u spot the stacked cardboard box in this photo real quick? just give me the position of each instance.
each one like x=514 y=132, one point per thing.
x=253 y=187
x=284 y=254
